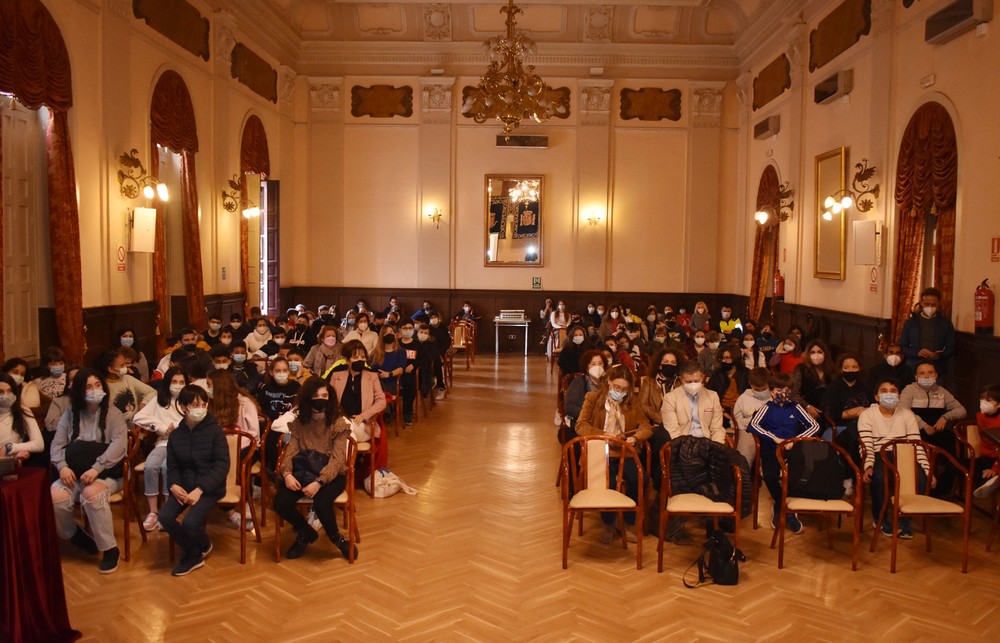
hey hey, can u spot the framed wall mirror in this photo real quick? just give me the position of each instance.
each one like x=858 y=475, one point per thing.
x=831 y=227
x=513 y=220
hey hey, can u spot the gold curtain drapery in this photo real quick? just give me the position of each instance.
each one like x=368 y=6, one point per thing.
x=926 y=178
x=765 y=246
x=172 y=126
x=254 y=159
x=34 y=64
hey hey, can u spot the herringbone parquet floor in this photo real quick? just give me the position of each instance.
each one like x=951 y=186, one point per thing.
x=476 y=556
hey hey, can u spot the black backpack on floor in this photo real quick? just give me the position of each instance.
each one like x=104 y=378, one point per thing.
x=722 y=566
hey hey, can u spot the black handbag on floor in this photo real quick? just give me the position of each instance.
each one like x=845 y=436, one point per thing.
x=719 y=562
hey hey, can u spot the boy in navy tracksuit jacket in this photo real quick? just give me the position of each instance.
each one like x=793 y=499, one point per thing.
x=778 y=420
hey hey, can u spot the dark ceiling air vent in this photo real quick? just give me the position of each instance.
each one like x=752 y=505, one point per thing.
x=532 y=140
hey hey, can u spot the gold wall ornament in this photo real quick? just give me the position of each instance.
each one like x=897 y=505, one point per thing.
x=133 y=180
x=510 y=91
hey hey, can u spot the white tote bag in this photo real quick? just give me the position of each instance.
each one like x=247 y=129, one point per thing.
x=387 y=484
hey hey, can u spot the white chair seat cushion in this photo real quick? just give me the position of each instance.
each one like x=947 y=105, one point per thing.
x=140 y=467
x=811 y=504
x=696 y=503
x=231 y=498
x=600 y=499
x=255 y=469
x=364 y=447
x=927 y=505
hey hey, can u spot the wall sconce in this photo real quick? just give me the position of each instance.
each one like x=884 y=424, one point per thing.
x=133 y=179
x=231 y=199
x=594 y=217
x=848 y=197
x=786 y=205
x=434 y=214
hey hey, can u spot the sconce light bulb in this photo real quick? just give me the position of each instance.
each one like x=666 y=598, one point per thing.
x=828 y=203
x=148 y=192
x=249 y=213
x=161 y=191
x=761 y=217
x=828 y=216
x=847 y=202
x=836 y=208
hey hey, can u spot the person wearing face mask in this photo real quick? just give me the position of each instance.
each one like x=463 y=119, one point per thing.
x=87 y=451
x=197 y=465
x=746 y=405
x=788 y=355
x=695 y=345
x=811 y=377
x=692 y=408
x=611 y=322
x=126 y=337
x=17 y=368
x=649 y=324
x=20 y=436
x=326 y=316
x=423 y=315
x=594 y=364
x=273 y=346
x=127 y=394
x=414 y=353
x=348 y=323
x=701 y=319
x=260 y=336
x=237 y=327
x=298 y=335
x=767 y=342
x=683 y=319
x=661 y=378
x=893 y=367
x=730 y=325
x=987 y=454
x=320 y=430
x=558 y=323
x=362 y=332
x=388 y=361
x=878 y=424
x=730 y=379
x=613 y=410
x=843 y=401
x=214 y=330
x=393 y=305
x=296 y=371
x=360 y=396
x=590 y=315
x=574 y=348
x=160 y=418
x=246 y=374
x=676 y=337
x=753 y=356
x=637 y=344
x=278 y=393
x=467 y=313
x=708 y=359
x=38 y=394
x=325 y=353
x=937 y=410
x=928 y=334
x=780 y=419
x=442 y=338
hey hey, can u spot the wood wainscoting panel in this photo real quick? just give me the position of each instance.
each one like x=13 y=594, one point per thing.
x=103 y=322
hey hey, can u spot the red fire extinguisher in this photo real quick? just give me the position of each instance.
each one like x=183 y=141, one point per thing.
x=984 y=309
x=779 y=286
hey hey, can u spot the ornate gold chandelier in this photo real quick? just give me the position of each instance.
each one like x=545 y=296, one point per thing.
x=510 y=90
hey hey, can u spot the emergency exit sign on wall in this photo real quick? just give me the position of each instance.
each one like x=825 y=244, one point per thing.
x=536 y=283
x=995 y=250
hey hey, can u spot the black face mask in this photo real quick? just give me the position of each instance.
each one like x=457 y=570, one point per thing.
x=357 y=367
x=850 y=377
x=389 y=340
x=668 y=371
x=730 y=366
x=766 y=335
x=319 y=405
x=671 y=324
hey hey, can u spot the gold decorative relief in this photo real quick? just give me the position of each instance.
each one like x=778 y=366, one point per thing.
x=381 y=101
x=772 y=81
x=651 y=104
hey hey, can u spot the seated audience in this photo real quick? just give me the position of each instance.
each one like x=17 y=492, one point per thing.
x=296 y=371
x=362 y=332
x=197 y=466
x=612 y=410
x=843 y=402
x=746 y=405
x=126 y=338
x=573 y=350
x=246 y=373
x=360 y=394
x=811 y=377
x=594 y=364
x=87 y=452
x=127 y=394
x=692 y=408
x=892 y=368
x=987 y=458
x=17 y=368
x=233 y=408
x=260 y=336
x=701 y=319
x=325 y=353
x=708 y=359
x=731 y=378
x=888 y=420
x=731 y=327
x=213 y=334
x=753 y=355
x=20 y=436
x=277 y=395
x=160 y=418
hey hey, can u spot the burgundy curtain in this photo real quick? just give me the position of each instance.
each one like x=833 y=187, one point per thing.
x=172 y=125
x=254 y=159
x=159 y=258
x=765 y=246
x=34 y=67
x=926 y=178
x=2 y=354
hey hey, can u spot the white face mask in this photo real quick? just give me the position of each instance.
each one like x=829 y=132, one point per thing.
x=175 y=389
x=926 y=382
x=987 y=407
x=294 y=366
x=748 y=343
x=221 y=366
x=578 y=339
x=762 y=395
x=817 y=358
x=713 y=345
x=363 y=326
x=96 y=396
x=692 y=388
x=699 y=341
x=261 y=330
x=614 y=314
x=235 y=324
x=789 y=348
x=590 y=309
x=215 y=327
x=596 y=372
x=725 y=315
x=929 y=311
x=651 y=318
x=281 y=378
x=197 y=415
x=894 y=360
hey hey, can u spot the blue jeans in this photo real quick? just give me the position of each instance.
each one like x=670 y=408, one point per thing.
x=155 y=471
x=189 y=535
x=878 y=489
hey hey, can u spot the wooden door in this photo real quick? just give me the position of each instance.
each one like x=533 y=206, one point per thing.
x=269 y=265
x=22 y=162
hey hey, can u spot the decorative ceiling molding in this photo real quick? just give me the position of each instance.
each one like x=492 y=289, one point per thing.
x=225 y=35
x=380 y=19
x=437 y=22
x=286 y=84
x=436 y=100
x=706 y=103
x=324 y=93
x=595 y=101
x=598 y=20
x=120 y=8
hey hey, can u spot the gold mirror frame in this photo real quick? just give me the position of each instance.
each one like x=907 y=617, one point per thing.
x=831 y=241
x=513 y=233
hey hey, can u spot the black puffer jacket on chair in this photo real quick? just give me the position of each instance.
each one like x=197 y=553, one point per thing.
x=698 y=465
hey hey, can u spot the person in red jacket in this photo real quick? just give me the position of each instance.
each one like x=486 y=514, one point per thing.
x=988 y=458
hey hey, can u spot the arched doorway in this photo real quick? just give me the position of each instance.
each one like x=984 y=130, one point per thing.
x=926 y=193
x=765 y=246
x=259 y=260
x=173 y=131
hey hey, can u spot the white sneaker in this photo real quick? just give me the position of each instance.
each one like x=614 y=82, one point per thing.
x=255 y=494
x=152 y=522
x=849 y=487
x=235 y=519
x=985 y=489
x=440 y=394
x=313 y=521
x=558 y=419
x=249 y=520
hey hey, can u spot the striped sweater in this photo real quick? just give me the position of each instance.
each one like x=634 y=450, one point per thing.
x=875 y=429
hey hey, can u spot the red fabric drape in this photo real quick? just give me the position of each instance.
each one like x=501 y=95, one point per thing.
x=766 y=240
x=2 y=353
x=64 y=236
x=172 y=125
x=254 y=159
x=34 y=65
x=191 y=232
x=159 y=259
x=926 y=177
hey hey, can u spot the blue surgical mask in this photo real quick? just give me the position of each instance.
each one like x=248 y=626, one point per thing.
x=239 y=358
x=95 y=396
x=888 y=400
x=128 y=341
x=926 y=382
x=617 y=396
x=57 y=371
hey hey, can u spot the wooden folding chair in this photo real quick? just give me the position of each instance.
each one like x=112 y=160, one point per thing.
x=591 y=484
x=238 y=482
x=905 y=498
x=823 y=508
x=345 y=501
